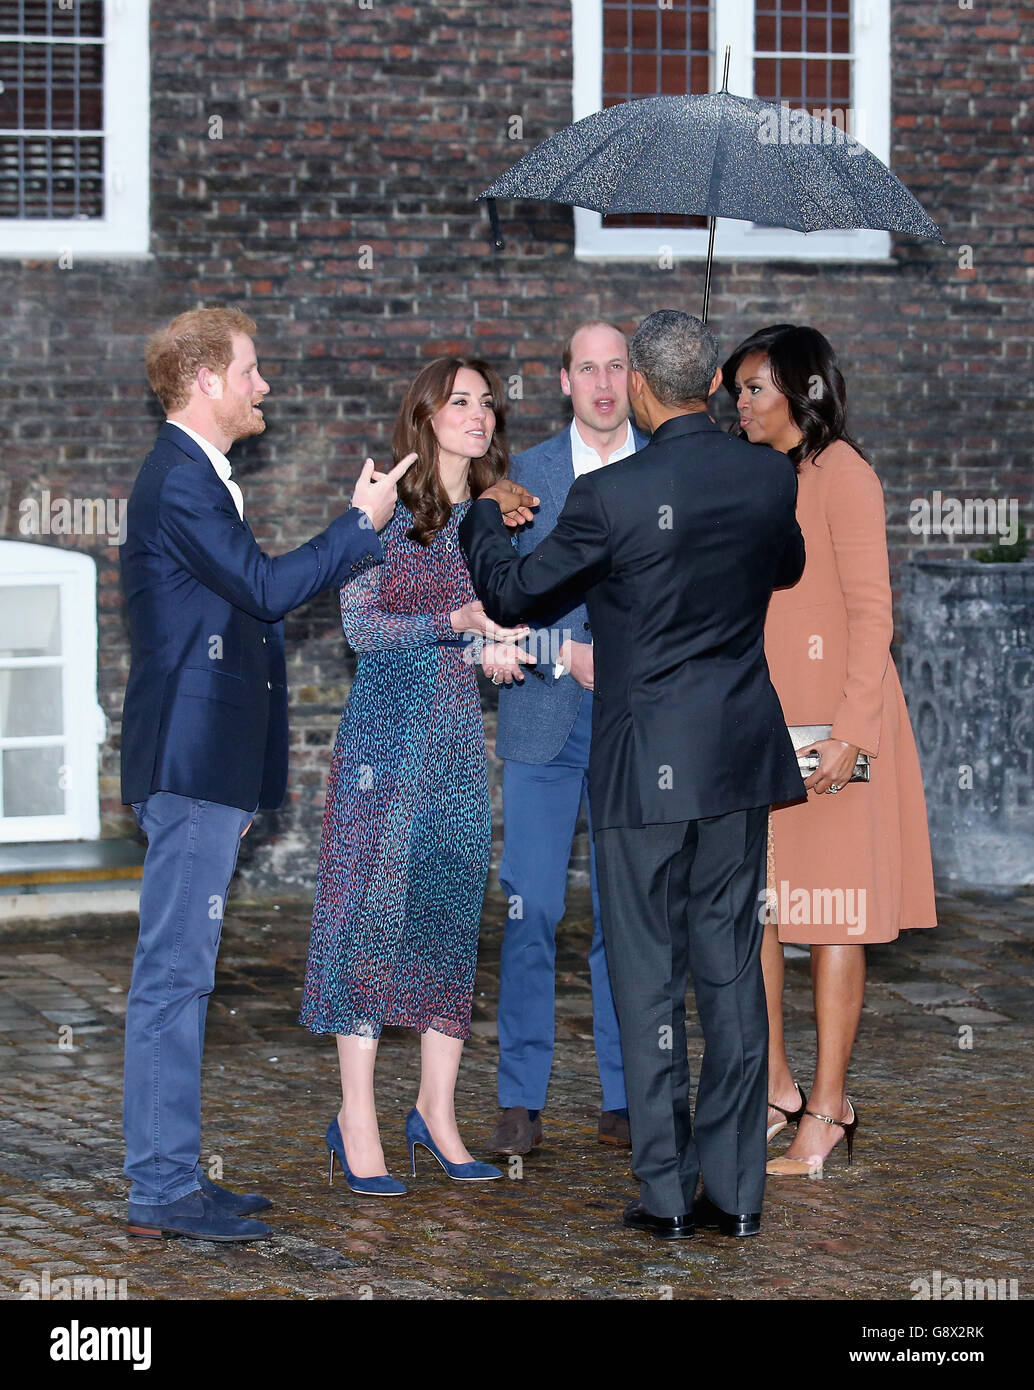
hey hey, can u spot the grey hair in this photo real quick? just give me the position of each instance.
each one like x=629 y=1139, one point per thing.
x=677 y=354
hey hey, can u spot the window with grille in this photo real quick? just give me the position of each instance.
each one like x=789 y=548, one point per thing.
x=803 y=55
x=649 y=50
x=829 y=57
x=74 y=95
x=50 y=722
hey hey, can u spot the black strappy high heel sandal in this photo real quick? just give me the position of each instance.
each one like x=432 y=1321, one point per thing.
x=792 y=1116
x=848 y=1127
x=812 y=1167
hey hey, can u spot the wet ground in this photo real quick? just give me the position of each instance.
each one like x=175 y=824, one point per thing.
x=939 y=1189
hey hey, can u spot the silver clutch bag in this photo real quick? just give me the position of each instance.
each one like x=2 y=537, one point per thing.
x=804 y=735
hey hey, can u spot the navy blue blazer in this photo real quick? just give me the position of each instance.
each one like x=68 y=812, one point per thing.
x=205 y=712
x=536 y=717
x=677 y=550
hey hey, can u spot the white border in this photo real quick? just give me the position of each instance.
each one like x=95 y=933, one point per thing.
x=736 y=240
x=124 y=231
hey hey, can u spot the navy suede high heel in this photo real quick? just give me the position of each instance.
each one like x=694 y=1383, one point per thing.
x=418 y=1133
x=382 y=1186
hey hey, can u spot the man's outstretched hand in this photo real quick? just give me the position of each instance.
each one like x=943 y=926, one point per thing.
x=515 y=502
x=376 y=493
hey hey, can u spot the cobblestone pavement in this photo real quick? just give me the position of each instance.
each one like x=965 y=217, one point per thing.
x=940 y=1182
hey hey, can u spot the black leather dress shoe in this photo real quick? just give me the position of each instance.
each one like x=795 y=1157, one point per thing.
x=663 y=1227
x=709 y=1217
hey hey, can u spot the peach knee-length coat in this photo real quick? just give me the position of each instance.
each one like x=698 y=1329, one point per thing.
x=853 y=866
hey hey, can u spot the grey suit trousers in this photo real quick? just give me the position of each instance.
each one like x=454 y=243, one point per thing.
x=678 y=901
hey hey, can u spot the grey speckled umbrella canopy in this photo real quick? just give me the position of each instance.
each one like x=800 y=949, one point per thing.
x=719 y=155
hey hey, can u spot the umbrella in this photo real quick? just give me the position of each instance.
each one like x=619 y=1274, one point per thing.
x=719 y=155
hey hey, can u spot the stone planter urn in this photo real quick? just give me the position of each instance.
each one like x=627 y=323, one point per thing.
x=967 y=667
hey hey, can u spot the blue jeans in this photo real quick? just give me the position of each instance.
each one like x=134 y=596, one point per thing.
x=540 y=809
x=191 y=856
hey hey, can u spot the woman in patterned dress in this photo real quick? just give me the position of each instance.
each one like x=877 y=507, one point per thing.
x=407 y=827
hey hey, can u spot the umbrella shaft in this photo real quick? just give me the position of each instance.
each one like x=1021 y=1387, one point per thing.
x=707 y=275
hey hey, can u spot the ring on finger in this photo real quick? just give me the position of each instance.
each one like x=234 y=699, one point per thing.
x=833 y=787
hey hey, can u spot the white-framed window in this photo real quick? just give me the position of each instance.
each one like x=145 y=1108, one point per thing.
x=74 y=128
x=819 y=55
x=50 y=722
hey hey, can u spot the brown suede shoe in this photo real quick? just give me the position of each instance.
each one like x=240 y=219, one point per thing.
x=614 y=1130
x=516 y=1132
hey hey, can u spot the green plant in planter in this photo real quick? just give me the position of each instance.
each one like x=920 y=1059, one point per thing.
x=999 y=554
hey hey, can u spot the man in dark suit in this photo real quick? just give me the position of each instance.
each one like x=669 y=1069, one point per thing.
x=543 y=739
x=204 y=734
x=677 y=551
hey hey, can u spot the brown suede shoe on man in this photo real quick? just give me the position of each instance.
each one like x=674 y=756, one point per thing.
x=516 y=1132
x=614 y=1129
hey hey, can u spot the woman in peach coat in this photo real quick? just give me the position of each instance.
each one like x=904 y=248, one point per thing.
x=850 y=863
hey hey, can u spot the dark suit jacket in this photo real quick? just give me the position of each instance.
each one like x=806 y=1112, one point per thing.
x=536 y=717
x=205 y=712
x=677 y=550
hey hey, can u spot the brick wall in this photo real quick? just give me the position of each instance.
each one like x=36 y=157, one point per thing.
x=346 y=128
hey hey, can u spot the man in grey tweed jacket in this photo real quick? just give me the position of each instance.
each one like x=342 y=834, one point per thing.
x=543 y=738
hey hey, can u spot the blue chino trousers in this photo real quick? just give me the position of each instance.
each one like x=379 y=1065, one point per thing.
x=541 y=802
x=192 y=849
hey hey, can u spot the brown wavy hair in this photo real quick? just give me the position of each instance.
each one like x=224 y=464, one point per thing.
x=421 y=489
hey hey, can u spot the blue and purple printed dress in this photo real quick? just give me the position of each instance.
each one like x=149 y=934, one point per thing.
x=407 y=828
